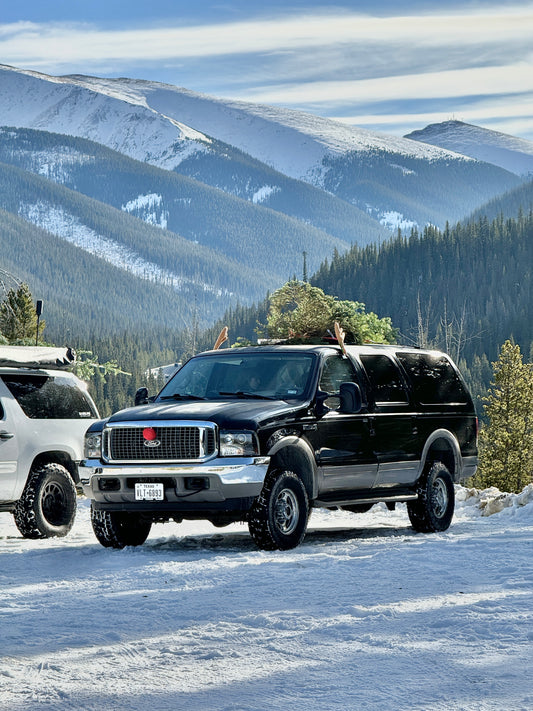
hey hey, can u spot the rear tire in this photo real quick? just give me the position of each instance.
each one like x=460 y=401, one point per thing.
x=47 y=507
x=279 y=515
x=433 y=510
x=118 y=529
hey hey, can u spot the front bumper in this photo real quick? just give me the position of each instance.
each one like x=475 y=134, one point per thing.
x=218 y=484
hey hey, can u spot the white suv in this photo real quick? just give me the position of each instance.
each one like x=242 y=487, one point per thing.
x=44 y=413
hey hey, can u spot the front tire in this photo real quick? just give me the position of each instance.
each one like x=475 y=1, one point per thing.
x=433 y=510
x=279 y=515
x=47 y=507
x=118 y=529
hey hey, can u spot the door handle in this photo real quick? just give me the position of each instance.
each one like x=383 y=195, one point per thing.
x=6 y=435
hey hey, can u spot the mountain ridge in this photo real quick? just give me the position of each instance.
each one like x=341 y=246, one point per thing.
x=151 y=122
x=501 y=149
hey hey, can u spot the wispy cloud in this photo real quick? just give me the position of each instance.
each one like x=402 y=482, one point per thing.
x=513 y=78
x=67 y=42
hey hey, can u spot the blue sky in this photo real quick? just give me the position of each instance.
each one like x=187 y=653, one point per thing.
x=394 y=68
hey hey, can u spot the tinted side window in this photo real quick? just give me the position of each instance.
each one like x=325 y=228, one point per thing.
x=385 y=378
x=336 y=370
x=434 y=379
x=49 y=398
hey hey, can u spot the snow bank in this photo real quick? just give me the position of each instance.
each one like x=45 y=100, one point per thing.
x=492 y=501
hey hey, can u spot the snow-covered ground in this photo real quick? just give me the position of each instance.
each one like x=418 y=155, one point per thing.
x=365 y=614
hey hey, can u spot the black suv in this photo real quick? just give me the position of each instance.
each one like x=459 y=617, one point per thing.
x=262 y=434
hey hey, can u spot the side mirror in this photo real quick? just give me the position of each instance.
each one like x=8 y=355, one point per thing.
x=141 y=396
x=320 y=403
x=351 y=399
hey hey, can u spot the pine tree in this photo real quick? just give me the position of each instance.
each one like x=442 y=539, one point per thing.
x=18 y=318
x=506 y=442
x=304 y=313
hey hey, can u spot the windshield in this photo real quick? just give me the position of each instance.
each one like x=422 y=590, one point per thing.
x=272 y=376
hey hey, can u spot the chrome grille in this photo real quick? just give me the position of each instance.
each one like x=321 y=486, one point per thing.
x=127 y=444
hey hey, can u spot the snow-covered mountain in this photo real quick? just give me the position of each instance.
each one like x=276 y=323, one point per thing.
x=174 y=201
x=213 y=248
x=61 y=104
x=107 y=110
x=394 y=180
x=268 y=185
x=293 y=142
x=508 y=152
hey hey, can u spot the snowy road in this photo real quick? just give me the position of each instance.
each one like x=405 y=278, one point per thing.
x=364 y=615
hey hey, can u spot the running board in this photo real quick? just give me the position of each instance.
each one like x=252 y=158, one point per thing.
x=398 y=498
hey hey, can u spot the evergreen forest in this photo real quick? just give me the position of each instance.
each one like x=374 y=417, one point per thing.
x=465 y=289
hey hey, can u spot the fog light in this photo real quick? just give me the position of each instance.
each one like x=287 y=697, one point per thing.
x=109 y=484
x=196 y=483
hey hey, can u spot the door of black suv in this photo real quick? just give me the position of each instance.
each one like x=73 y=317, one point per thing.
x=396 y=440
x=343 y=442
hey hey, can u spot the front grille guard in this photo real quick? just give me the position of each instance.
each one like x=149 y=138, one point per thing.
x=183 y=441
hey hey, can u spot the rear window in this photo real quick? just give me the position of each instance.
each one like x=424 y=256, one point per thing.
x=435 y=381
x=43 y=397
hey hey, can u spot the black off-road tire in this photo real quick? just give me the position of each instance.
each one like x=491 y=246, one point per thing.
x=47 y=507
x=118 y=529
x=279 y=515
x=433 y=510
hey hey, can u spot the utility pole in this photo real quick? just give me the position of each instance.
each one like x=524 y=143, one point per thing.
x=38 y=311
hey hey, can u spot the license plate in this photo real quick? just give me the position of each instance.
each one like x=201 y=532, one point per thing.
x=149 y=492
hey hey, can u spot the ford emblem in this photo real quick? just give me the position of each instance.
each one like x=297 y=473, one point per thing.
x=150 y=437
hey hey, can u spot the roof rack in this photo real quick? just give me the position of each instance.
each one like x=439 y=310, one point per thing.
x=36 y=357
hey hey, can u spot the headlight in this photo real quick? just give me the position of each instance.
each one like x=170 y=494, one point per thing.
x=238 y=444
x=93 y=445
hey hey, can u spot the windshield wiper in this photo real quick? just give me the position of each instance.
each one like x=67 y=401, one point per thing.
x=178 y=396
x=248 y=396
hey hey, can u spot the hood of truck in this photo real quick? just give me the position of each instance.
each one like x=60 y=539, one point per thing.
x=230 y=414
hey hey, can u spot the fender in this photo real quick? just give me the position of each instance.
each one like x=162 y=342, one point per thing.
x=294 y=453
x=454 y=453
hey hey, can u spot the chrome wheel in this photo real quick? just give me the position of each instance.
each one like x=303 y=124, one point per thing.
x=286 y=511
x=440 y=497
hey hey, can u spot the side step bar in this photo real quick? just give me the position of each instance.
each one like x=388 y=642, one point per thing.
x=398 y=498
